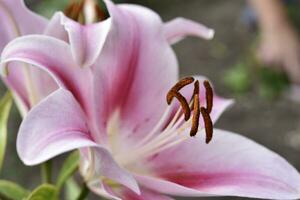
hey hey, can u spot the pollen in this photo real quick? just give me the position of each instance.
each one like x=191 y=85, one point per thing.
x=193 y=107
x=209 y=96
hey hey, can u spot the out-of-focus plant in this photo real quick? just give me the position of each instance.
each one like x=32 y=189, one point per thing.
x=250 y=76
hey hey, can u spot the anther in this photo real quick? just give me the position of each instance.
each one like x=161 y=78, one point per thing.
x=208 y=124
x=196 y=114
x=73 y=11
x=183 y=102
x=196 y=88
x=180 y=84
x=209 y=96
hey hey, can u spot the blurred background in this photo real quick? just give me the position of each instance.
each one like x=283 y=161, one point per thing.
x=266 y=108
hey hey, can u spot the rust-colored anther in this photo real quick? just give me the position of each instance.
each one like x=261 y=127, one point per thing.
x=180 y=84
x=184 y=104
x=208 y=124
x=196 y=91
x=74 y=10
x=100 y=13
x=68 y=10
x=209 y=96
x=196 y=115
x=196 y=88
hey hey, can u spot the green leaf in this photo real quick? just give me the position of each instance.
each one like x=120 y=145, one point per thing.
x=43 y=192
x=72 y=190
x=12 y=191
x=69 y=167
x=5 y=105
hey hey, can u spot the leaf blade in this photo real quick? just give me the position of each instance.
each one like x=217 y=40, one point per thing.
x=12 y=191
x=43 y=192
x=69 y=167
x=5 y=106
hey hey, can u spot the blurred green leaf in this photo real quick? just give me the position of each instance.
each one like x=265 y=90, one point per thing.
x=44 y=192
x=69 y=167
x=12 y=191
x=238 y=79
x=72 y=189
x=272 y=83
x=5 y=106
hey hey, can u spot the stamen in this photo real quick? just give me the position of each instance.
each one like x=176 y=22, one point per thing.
x=196 y=115
x=209 y=96
x=196 y=91
x=183 y=102
x=195 y=105
x=196 y=88
x=180 y=84
x=208 y=124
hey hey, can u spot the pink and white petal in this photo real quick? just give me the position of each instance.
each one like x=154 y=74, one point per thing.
x=55 y=57
x=146 y=194
x=231 y=165
x=56 y=125
x=104 y=165
x=122 y=193
x=55 y=28
x=17 y=20
x=102 y=189
x=142 y=67
x=86 y=40
x=179 y=28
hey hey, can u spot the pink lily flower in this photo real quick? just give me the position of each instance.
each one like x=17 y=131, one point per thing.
x=113 y=78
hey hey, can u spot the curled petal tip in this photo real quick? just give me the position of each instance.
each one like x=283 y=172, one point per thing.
x=210 y=34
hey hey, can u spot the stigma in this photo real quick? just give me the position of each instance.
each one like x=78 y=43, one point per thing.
x=193 y=106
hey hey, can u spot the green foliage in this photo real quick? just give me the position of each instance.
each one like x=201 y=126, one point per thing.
x=249 y=75
x=272 y=83
x=5 y=106
x=72 y=190
x=69 y=167
x=238 y=78
x=44 y=192
x=12 y=191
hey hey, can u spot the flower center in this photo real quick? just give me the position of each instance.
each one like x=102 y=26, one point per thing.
x=168 y=132
x=85 y=11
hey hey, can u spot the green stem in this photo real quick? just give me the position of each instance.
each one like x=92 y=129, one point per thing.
x=46 y=170
x=84 y=193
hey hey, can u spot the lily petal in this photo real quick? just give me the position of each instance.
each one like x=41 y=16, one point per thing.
x=179 y=28
x=53 y=56
x=135 y=69
x=146 y=194
x=247 y=170
x=86 y=40
x=17 y=20
x=54 y=126
x=105 y=165
x=57 y=125
x=122 y=193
